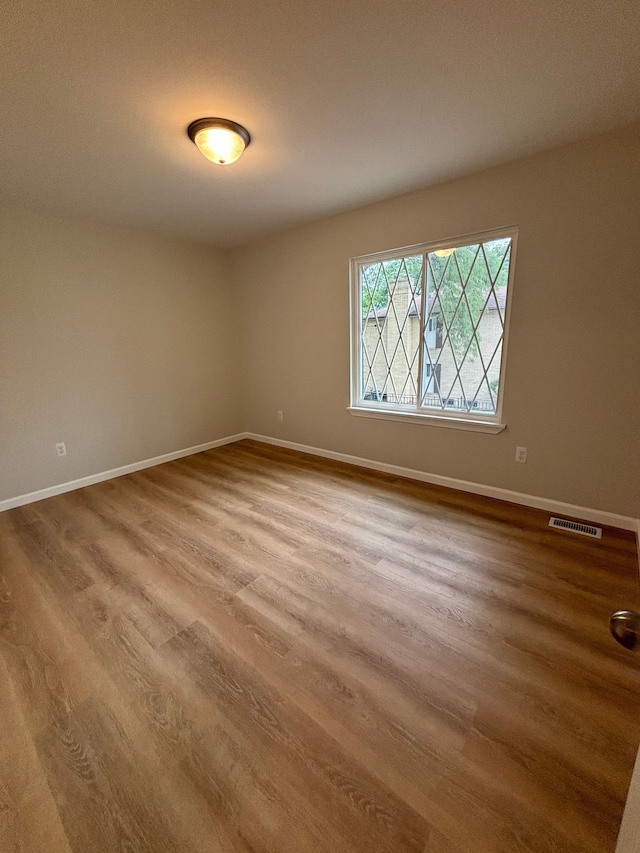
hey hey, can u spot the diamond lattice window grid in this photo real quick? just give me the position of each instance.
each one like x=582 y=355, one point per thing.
x=430 y=327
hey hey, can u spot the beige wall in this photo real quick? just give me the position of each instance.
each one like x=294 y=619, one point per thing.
x=117 y=341
x=127 y=345
x=572 y=378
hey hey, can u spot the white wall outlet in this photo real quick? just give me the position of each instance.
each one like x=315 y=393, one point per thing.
x=61 y=448
x=521 y=454
x=280 y=415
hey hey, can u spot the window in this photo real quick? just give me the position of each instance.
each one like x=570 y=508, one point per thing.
x=429 y=331
x=432 y=328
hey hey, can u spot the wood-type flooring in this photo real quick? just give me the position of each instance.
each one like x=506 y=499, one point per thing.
x=252 y=650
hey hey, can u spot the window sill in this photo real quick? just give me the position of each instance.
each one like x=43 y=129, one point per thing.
x=431 y=420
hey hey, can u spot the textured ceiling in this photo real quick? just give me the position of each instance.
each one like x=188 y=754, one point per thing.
x=347 y=101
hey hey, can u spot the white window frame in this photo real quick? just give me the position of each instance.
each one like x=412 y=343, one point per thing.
x=441 y=418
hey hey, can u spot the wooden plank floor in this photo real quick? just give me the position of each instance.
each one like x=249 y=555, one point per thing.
x=254 y=650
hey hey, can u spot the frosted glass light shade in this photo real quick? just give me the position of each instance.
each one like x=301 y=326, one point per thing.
x=220 y=145
x=220 y=140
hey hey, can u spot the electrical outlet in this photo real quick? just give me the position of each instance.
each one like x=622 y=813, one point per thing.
x=280 y=415
x=61 y=448
x=521 y=454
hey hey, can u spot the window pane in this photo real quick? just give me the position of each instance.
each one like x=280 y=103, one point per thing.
x=391 y=293
x=466 y=297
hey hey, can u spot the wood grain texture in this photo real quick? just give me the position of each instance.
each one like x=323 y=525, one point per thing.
x=256 y=651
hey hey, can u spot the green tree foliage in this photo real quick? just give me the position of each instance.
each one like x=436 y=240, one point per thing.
x=379 y=278
x=471 y=268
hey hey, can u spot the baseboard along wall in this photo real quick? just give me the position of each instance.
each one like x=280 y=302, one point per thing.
x=61 y=488
x=595 y=516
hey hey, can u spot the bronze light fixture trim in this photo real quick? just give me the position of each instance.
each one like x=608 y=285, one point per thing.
x=219 y=139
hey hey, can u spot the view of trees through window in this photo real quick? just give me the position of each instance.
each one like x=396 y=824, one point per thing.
x=453 y=346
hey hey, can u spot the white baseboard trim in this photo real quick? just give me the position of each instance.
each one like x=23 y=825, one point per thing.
x=596 y=516
x=41 y=494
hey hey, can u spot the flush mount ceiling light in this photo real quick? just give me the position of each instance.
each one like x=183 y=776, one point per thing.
x=220 y=140
x=443 y=253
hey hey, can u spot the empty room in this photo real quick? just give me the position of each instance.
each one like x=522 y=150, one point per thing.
x=319 y=427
